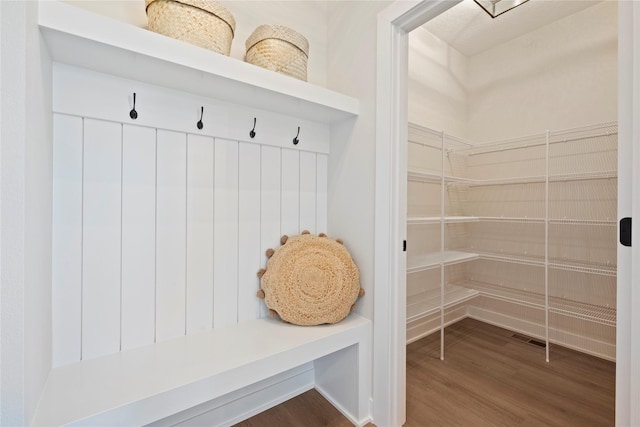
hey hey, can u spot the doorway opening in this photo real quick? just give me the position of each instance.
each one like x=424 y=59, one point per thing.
x=394 y=26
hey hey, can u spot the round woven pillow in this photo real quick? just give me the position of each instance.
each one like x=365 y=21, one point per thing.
x=310 y=280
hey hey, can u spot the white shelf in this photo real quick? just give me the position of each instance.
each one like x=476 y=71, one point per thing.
x=600 y=269
x=598 y=222
x=582 y=176
x=428 y=302
x=554 y=221
x=413 y=175
x=574 y=309
x=512 y=219
x=80 y=38
x=534 y=179
x=143 y=385
x=513 y=258
x=426 y=262
x=436 y=219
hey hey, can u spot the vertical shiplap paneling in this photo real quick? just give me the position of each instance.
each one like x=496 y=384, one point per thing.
x=269 y=203
x=67 y=240
x=308 y=192
x=249 y=257
x=138 y=235
x=101 y=238
x=200 y=153
x=321 y=192
x=171 y=229
x=225 y=278
x=290 y=185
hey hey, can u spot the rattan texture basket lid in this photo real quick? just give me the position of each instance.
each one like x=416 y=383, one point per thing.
x=278 y=32
x=310 y=280
x=212 y=7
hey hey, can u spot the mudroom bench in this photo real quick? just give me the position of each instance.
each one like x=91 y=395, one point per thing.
x=149 y=384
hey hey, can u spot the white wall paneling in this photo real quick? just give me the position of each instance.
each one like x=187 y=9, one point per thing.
x=138 y=235
x=321 y=193
x=200 y=266
x=225 y=261
x=249 y=255
x=67 y=240
x=173 y=110
x=102 y=234
x=270 y=196
x=308 y=175
x=171 y=238
x=159 y=230
x=290 y=188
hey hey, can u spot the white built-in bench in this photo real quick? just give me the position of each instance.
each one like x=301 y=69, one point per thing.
x=148 y=384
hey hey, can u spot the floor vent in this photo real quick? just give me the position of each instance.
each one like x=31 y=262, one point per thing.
x=529 y=340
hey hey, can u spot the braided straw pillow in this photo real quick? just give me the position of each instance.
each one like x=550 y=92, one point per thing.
x=204 y=23
x=278 y=48
x=310 y=280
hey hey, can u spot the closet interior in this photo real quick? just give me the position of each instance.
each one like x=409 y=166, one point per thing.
x=511 y=216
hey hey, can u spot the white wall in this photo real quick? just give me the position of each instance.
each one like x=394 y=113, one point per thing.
x=437 y=84
x=12 y=225
x=26 y=214
x=37 y=213
x=306 y=17
x=560 y=76
x=351 y=70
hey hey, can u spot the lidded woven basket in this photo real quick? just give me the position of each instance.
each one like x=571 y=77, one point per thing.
x=203 y=23
x=278 y=48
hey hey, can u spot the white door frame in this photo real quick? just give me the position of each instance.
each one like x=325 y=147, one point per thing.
x=389 y=373
x=389 y=363
x=628 y=326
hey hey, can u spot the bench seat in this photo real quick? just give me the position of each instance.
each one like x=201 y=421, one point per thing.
x=144 y=385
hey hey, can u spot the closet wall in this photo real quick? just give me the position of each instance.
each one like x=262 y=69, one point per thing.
x=496 y=199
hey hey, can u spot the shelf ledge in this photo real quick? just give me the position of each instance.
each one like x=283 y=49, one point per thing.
x=429 y=303
x=418 y=263
x=80 y=38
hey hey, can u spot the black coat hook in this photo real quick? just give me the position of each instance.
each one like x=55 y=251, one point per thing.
x=200 y=125
x=133 y=113
x=296 y=140
x=252 y=133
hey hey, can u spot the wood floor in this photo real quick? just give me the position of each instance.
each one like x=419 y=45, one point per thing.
x=488 y=378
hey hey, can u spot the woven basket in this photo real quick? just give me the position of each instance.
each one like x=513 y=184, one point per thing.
x=203 y=23
x=279 y=49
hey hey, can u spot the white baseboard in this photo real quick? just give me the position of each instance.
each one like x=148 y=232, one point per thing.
x=576 y=342
x=343 y=411
x=245 y=403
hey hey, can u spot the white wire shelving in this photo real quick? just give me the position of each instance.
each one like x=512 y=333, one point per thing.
x=422 y=262
x=428 y=261
x=569 y=179
x=437 y=219
x=595 y=313
x=428 y=303
x=434 y=177
x=524 y=220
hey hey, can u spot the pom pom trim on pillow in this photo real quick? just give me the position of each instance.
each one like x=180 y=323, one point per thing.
x=310 y=280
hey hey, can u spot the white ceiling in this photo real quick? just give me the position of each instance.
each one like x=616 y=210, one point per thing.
x=470 y=30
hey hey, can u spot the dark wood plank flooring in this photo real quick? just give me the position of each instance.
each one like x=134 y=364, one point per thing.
x=488 y=378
